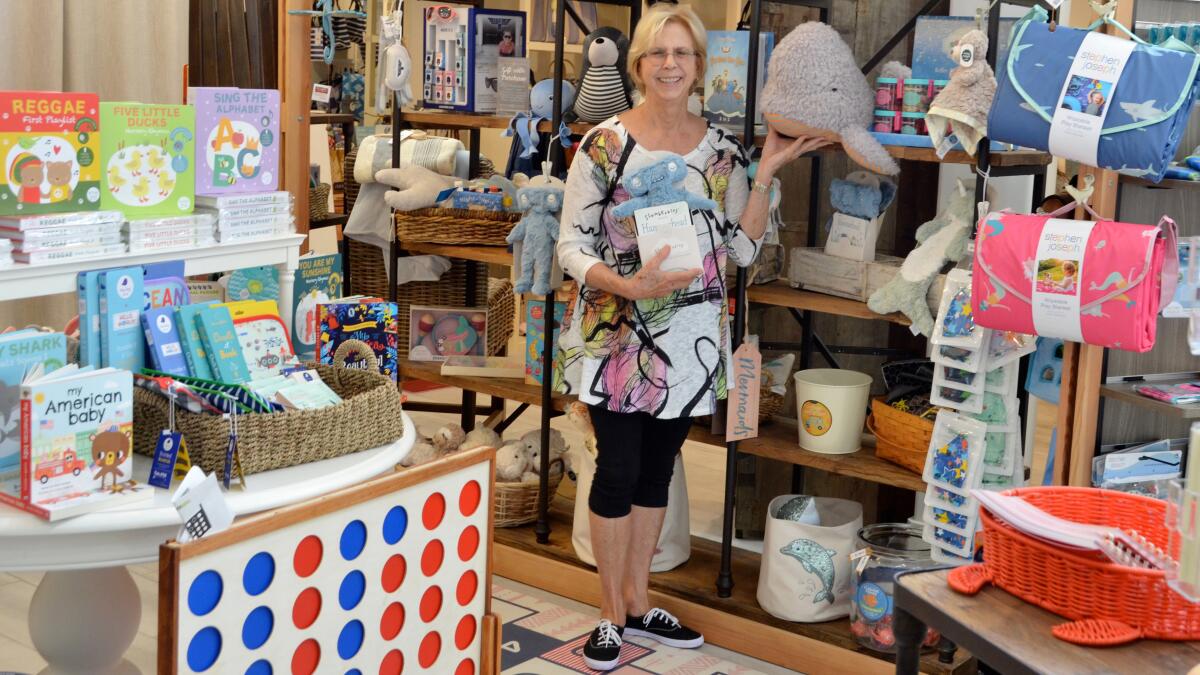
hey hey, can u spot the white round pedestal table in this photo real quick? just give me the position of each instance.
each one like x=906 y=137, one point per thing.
x=85 y=612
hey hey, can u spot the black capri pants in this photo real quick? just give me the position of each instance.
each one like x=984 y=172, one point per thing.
x=635 y=457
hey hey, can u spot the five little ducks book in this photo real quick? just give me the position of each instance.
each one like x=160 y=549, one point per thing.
x=147 y=153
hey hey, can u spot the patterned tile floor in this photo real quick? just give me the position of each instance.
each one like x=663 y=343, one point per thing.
x=544 y=635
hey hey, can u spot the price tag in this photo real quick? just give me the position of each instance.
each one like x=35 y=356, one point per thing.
x=321 y=92
x=745 y=380
x=171 y=459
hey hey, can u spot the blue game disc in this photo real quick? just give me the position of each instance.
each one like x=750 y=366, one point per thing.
x=257 y=627
x=351 y=593
x=259 y=573
x=203 y=650
x=205 y=592
x=354 y=538
x=260 y=667
x=395 y=524
x=350 y=640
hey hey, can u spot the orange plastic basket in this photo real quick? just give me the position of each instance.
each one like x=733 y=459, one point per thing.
x=1108 y=604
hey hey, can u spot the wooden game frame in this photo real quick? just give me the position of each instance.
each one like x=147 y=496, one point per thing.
x=172 y=553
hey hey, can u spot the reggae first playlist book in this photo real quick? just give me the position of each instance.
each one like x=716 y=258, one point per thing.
x=237 y=140
x=50 y=145
x=148 y=157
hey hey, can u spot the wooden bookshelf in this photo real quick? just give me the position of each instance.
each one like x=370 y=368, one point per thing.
x=445 y=119
x=502 y=387
x=494 y=255
x=1123 y=391
x=781 y=442
x=780 y=294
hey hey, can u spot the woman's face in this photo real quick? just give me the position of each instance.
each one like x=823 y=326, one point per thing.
x=668 y=68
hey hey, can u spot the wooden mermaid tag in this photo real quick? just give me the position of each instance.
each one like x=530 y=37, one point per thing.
x=744 y=381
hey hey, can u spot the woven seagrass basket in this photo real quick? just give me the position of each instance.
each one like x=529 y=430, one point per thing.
x=455 y=226
x=516 y=503
x=367 y=417
x=900 y=438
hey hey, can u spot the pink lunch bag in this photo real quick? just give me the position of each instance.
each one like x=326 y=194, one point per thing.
x=1099 y=282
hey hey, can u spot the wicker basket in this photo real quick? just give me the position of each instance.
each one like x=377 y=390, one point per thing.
x=516 y=503
x=900 y=437
x=455 y=226
x=770 y=404
x=1110 y=603
x=318 y=201
x=369 y=277
x=368 y=417
x=351 y=185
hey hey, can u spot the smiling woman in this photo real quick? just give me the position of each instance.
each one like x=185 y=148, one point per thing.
x=647 y=344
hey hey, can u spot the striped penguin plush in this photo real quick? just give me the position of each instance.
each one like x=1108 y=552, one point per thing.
x=604 y=86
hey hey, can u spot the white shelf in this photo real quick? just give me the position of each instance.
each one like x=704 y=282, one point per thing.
x=32 y=281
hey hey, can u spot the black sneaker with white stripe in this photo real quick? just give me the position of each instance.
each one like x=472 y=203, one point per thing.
x=658 y=624
x=603 y=648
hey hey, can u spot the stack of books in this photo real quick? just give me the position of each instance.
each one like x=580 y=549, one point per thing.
x=173 y=232
x=6 y=249
x=250 y=216
x=57 y=237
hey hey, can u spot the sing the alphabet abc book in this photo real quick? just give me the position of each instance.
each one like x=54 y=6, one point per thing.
x=148 y=159
x=237 y=139
x=50 y=145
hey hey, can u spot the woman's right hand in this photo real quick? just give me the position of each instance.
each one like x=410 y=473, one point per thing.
x=653 y=282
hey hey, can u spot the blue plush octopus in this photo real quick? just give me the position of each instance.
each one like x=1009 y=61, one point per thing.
x=654 y=185
x=538 y=232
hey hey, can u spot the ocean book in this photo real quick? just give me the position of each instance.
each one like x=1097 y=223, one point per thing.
x=360 y=334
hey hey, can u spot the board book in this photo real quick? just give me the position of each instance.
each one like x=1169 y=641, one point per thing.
x=219 y=337
x=50 y=144
x=147 y=154
x=76 y=443
x=121 y=303
x=237 y=139
x=361 y=334
x=727 y=73
x=318 y=280
x=21 y=352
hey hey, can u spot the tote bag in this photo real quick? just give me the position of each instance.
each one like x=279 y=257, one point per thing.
x=675 y=540
x=805 y=573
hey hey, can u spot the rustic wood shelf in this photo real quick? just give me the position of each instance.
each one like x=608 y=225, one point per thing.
x=779 y=441
x=457 y=120
x=1123 y=391
x=1166 y=184
x=737 y=622
x=501 y=387
x=495 y=255
x=780 y=294
x=330 y=118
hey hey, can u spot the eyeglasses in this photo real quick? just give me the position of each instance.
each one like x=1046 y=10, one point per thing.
x=659 y=55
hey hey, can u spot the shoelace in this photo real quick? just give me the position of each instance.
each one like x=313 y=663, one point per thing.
x=608 y=637
x=663 y=614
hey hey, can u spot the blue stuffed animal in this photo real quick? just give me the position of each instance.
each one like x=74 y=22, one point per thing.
x=538 y=232
x=654 y=185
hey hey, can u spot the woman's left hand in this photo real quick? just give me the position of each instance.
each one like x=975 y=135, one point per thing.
x=780 y=150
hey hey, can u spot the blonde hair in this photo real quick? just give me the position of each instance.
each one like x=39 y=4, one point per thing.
x=651 y=24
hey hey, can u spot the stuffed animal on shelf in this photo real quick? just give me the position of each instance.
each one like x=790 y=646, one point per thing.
x=604 y=84
x=481 y=437
x=449 y=439
x=511 y=462
x=416 y=187
x=654 y=185
x=861 y=194
x=962 y=107
x=942 y=239
x=538 y=233
x=814 y=88
x=532 y=442
x=541 y=98
x=423 y=452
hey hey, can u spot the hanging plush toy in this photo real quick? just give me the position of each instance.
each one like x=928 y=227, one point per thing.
x=962 y=107
x=537 y=231
x=604 y=85
x=654 y=185
x=814 y=88
x=941 y=239
x=541 y=107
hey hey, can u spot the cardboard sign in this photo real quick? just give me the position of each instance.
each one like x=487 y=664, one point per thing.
x=201 y=505
x=320 y=92
x=745 y=377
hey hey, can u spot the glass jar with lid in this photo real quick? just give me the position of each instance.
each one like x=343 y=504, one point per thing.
x=883 y=551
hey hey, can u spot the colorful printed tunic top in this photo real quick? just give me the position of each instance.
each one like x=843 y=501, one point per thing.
x=664 y=356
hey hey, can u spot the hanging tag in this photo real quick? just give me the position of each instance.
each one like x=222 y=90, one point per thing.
x=321 y=92
x=863 y=556
x=946 y=145
x=166 y=454
x=744 y=384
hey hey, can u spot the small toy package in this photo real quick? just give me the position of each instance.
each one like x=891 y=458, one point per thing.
x=956 y=450
x=955 y=325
